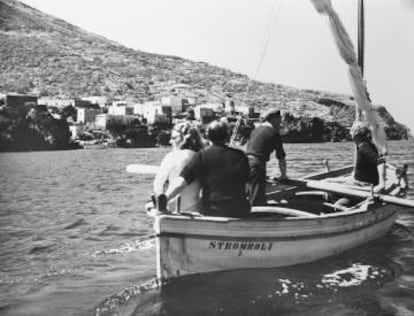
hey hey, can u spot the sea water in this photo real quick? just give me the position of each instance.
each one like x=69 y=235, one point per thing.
x=75 y=239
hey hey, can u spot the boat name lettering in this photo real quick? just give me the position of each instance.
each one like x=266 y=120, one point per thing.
x=235 y=245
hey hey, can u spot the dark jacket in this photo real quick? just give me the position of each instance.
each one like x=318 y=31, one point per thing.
x=223 y=173
x=367 y=160
x=263 y=141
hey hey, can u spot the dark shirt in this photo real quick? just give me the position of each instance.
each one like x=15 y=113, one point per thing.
x=223 y=173
x=366 y=163
x=263 y=140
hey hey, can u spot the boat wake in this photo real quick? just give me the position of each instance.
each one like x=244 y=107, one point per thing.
x=112 y=304
x=352 y=276
x=136 y=245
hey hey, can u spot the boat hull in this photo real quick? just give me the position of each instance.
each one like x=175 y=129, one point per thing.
x=197 y=245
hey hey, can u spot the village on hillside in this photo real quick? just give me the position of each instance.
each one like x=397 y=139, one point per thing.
x=96 y=122
x=33 y=122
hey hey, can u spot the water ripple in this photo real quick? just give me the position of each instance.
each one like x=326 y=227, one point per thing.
x=73 y=231
x=137 y=245
x=78 y=222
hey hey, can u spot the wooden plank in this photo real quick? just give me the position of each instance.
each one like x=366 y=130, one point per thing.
x=282 y=211
x=286 y=188
x=337 y=188
x=330 y=174
x=142 y=169
x=347 y=191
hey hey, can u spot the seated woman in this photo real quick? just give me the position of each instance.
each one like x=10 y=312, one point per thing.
x=185 y=141
x=369 y=165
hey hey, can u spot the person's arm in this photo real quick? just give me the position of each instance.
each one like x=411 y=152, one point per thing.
x=187 y=176
x=280 y=155
x=282 y=168
x=162 y=175
x=175 y=188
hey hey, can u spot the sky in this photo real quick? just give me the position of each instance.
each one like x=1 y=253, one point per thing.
x=281 y=41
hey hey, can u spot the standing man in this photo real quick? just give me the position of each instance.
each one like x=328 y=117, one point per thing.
x=223 y=173
x=263 y=141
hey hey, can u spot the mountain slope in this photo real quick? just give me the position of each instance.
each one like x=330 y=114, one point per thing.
x=48 y=56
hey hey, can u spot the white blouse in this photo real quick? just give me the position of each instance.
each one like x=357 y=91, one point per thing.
x=170 y=169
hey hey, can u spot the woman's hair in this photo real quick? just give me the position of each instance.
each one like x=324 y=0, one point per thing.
x=360 y=129
x=191 y=137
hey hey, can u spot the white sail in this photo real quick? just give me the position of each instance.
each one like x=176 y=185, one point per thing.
x=347 y=52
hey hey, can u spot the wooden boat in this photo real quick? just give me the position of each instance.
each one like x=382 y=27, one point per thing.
x=304 y=223
x=301 y=226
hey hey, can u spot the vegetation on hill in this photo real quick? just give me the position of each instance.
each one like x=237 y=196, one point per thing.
x=50 y=57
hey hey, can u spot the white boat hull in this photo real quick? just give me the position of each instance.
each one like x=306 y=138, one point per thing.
x=197 y=245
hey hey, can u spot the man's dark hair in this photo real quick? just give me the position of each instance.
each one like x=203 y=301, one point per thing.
x=217 y=132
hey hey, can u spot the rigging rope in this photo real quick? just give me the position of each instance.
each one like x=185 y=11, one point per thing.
x=270 y=28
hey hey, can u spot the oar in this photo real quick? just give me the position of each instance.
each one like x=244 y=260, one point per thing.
x=142 y=169
x=341 y=189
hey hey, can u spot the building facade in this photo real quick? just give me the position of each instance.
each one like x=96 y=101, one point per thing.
x=85 y=115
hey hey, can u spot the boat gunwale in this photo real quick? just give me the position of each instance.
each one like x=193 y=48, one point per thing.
x=274 y=238
x=284 y=233
x=342 y=214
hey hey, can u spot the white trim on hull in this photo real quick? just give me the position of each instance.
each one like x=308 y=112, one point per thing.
x=197 y=245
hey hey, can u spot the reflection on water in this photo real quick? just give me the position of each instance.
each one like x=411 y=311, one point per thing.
x=75 y=239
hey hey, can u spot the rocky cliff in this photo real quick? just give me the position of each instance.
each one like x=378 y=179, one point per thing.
x=47 y=56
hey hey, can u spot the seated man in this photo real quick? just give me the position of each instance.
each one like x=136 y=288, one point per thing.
x=223 y=173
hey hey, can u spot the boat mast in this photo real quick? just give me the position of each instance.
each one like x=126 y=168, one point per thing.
x=361 y=44
x=361 y=35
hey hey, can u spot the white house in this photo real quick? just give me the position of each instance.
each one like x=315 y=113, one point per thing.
x=204 y=114
x=176 y=103
x=85 y=115
x=59 y=103
x=101 y=101
x=75 y=130
x=230 y=106
x=121 y=110
x=244 y=109
x=154 y=114
x=216 y=107
x=101 y=120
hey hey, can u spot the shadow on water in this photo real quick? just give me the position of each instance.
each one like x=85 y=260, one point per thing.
x=347 y=284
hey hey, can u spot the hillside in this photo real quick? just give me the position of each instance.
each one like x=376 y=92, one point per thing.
x=47 y=56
